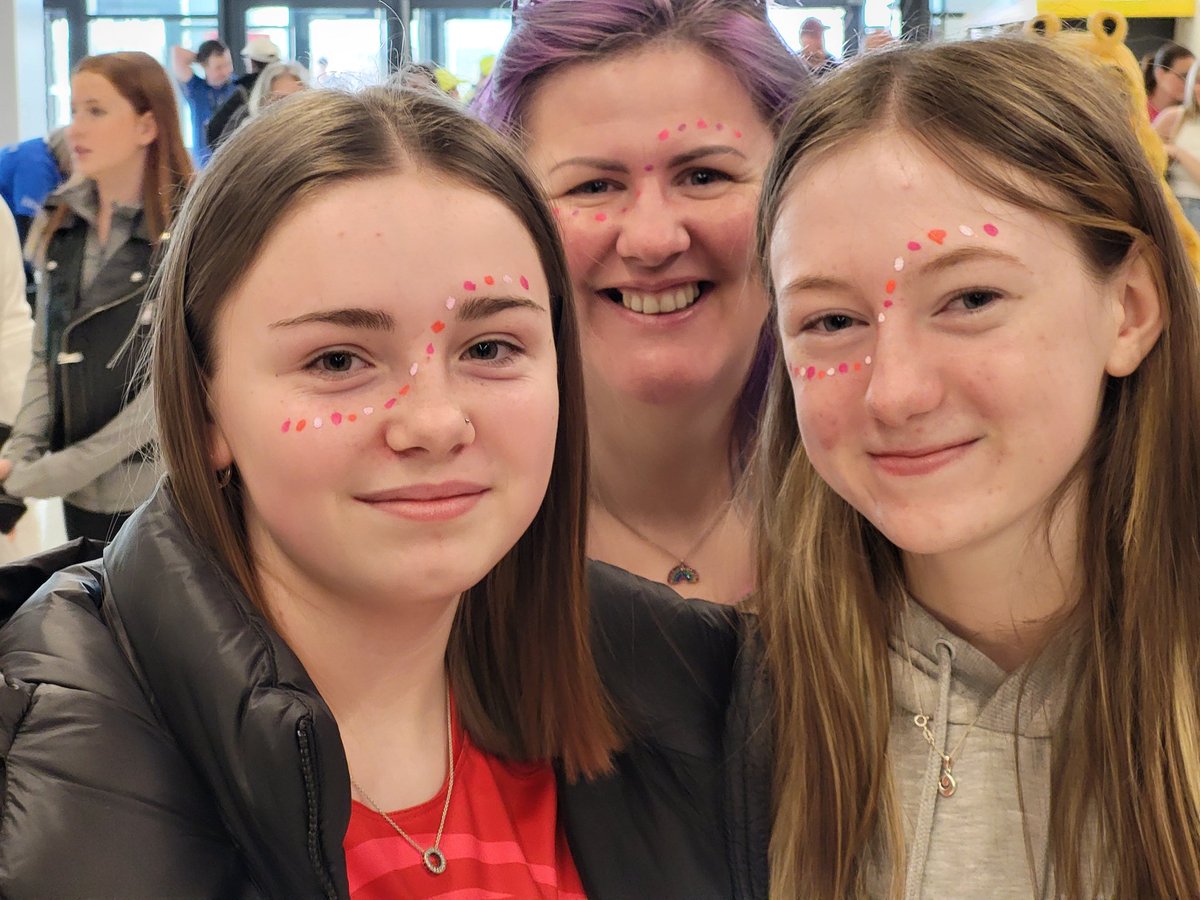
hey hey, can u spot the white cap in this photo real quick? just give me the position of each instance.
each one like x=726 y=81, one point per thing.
x=261 y=49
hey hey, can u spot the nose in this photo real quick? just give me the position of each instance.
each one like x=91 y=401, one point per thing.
x=905 y=381
x=428 y=419
x=652 y=231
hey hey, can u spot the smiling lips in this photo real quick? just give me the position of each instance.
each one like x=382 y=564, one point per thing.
x=922 y=460
x=428 y=502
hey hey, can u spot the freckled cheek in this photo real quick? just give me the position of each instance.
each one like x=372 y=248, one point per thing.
x=821 y=413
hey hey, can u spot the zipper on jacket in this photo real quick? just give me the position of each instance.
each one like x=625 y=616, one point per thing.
x=304 y=739
x=62 y=348
x=143 y=319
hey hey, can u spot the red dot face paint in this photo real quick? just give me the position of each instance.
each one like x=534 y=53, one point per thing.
x=701 y=124
x=737 y=134
x=601 y=217
x=300 y=426
x=352 y=417
x=937 y=236
x=488 y=279
x=404 y=391
x=438 y=327
x=890 y=287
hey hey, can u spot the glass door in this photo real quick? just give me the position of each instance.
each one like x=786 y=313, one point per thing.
x=342 y=46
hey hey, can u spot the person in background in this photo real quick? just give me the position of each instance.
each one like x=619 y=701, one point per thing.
x=276 y=81
x=650 y=123
x=258 y=53
x=29 y=171
x=204 y=93
x=85 y=426
x=812 y=47
x=1165 y=74
x=981 y=482
x=1179 y=128
x=447 y=82
x=17 y=530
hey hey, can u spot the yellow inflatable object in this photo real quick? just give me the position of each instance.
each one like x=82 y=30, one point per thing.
x=1102 y=44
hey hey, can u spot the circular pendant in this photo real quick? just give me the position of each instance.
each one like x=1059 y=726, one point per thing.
x=947 y=785
x=434 y=861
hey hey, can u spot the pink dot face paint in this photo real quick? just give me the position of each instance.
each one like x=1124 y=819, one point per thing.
x=601 y=217
x=990 y=230
x=664 y=134
x=391 y=401
x=469 y=286
x=429 y=349
x=336 y=418
x=914 y=246
x=700 y=123
x=286 y=426
x=524 y=282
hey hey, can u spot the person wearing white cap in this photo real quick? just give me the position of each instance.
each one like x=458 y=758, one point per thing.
x=258 y=53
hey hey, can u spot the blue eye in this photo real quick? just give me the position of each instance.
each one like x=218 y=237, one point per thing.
x=830 y=324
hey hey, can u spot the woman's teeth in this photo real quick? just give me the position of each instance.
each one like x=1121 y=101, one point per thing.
x=668 y=301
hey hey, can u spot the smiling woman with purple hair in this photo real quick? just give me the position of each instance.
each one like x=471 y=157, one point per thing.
x=650 y=123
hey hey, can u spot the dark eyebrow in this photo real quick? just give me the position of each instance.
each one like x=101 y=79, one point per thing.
x=700 y=152
x=960 y=255
x=349 y=317
x=473 y=309
x=593 y=162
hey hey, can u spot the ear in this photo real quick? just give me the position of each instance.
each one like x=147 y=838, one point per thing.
x=147 y=128
x=219 y=451
x=1108 y=27
x=1045 y=25
x=1138 y=306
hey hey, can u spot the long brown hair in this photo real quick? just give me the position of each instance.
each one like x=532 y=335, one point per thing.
x=519 y=657
x=142 y=81
x=1026 y=125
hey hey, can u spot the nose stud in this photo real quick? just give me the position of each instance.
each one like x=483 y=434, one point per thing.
x=468 y=421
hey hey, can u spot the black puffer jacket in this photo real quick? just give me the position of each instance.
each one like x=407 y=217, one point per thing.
x=160 y=740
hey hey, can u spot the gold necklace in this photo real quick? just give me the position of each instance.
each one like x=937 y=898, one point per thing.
x=947 y=783
x=681 y=571
x=432 y=857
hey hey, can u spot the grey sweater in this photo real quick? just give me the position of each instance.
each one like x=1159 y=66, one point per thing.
x=975 y=843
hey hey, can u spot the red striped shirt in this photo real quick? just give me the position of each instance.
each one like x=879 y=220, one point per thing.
x=502 y=838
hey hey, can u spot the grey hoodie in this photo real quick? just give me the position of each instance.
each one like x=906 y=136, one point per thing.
x=975 y=843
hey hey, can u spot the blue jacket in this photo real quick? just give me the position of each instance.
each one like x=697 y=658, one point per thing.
x=28 y=173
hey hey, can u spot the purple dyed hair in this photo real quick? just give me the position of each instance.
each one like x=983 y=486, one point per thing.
x=549 y=34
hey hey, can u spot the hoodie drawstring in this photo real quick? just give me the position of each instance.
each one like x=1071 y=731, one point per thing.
x=919 y=852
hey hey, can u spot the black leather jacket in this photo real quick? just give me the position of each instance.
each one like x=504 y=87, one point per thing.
x=159 y=739
x=95 y=336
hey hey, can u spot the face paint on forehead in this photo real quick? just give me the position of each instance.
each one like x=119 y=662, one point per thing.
x=337 y=417
x=802 y=373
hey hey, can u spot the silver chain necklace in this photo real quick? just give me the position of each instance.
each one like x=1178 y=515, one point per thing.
x=432 y=857
x=682 y=571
